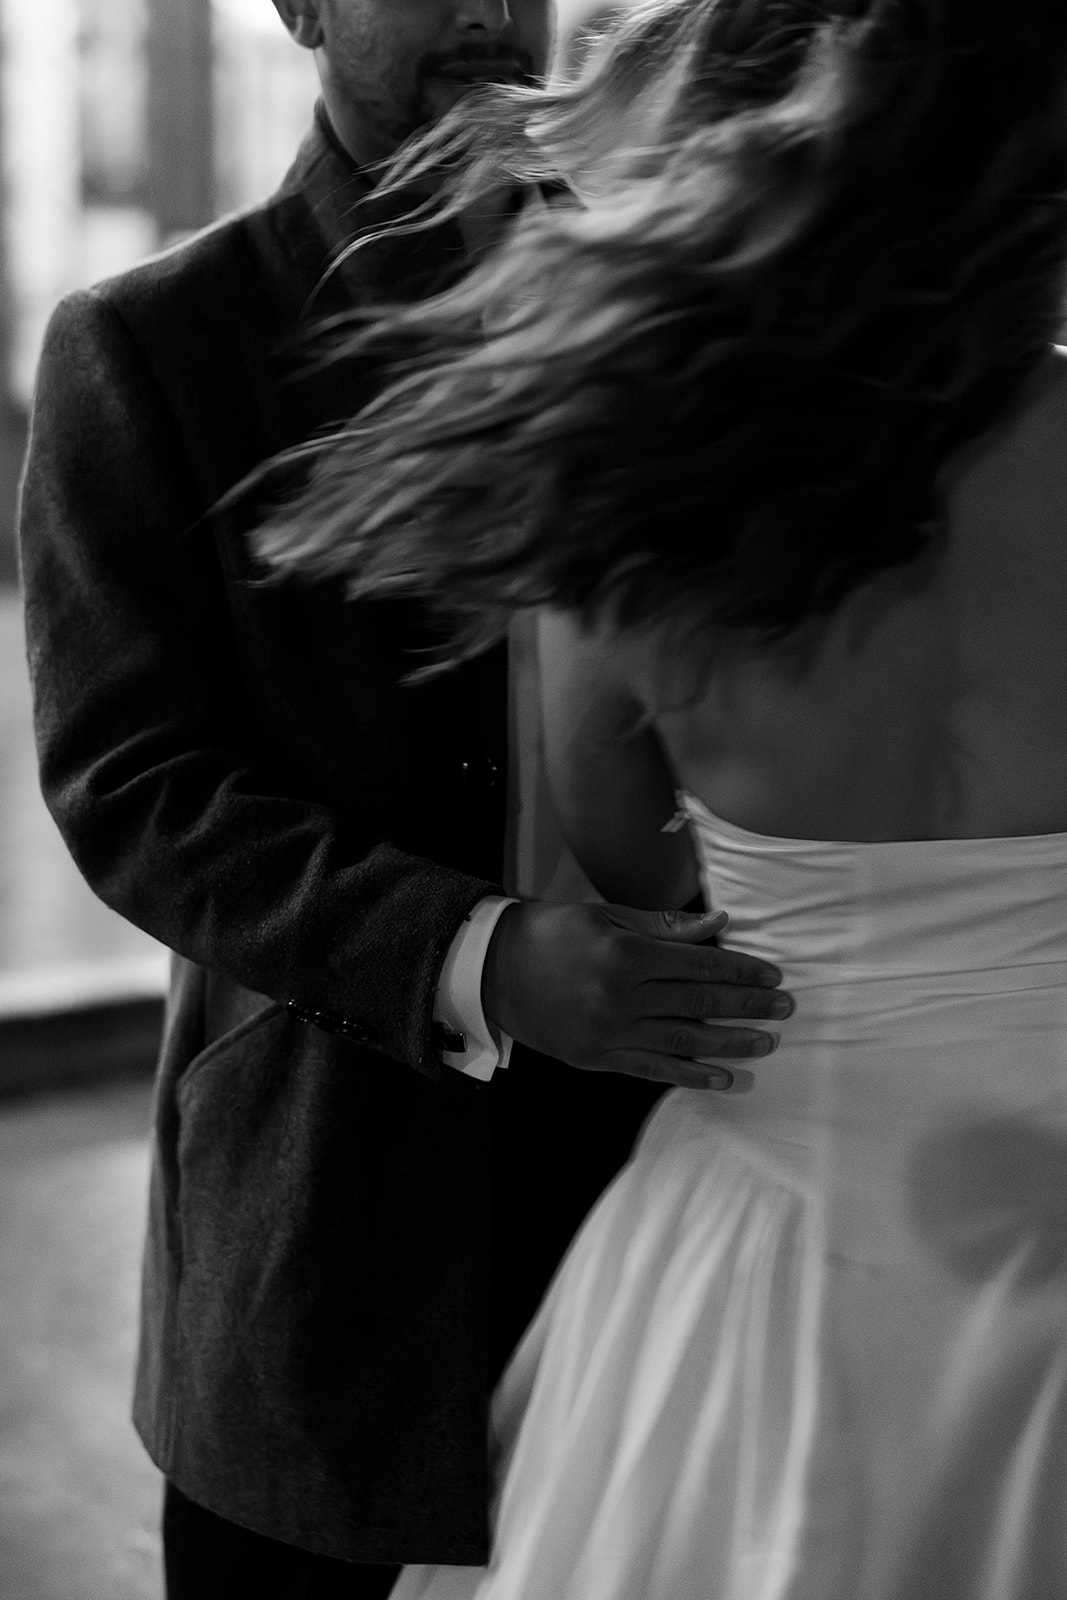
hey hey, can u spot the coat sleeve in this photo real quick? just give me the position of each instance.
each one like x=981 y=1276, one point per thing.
x=143 y=745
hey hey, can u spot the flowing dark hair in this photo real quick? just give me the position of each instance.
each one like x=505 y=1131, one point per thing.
x=821 y=249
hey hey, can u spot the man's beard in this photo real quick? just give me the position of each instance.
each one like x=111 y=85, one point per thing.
x=442 y=79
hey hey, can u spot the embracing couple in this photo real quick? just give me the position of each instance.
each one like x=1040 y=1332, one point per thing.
x=726 y=379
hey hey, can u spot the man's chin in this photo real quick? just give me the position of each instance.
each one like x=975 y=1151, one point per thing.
x=440 y=94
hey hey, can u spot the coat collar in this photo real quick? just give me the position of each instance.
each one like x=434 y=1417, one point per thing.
x=324 y=200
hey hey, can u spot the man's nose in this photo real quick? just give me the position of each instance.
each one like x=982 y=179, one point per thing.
x=483 y=16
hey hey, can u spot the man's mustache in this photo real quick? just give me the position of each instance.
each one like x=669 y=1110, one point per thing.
x=477 y=59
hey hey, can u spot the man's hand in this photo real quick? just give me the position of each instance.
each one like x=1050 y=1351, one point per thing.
x=610 y=989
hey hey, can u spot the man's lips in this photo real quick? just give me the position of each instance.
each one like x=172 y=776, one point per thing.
x=498 y=69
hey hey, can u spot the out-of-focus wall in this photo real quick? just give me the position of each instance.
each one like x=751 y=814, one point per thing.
x=39 y=101
x=124 y=123
x=265 y=88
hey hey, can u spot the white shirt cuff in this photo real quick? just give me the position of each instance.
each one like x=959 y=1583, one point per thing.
x=458 y=1001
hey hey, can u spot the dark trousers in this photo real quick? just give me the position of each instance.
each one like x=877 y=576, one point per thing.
x=207 y=1558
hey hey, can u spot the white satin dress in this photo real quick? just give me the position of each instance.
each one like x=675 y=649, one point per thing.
x=812 y=1342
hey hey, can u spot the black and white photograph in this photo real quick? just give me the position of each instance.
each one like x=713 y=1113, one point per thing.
x=533 y=800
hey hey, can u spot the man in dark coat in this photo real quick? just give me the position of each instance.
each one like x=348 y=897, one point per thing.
x=347 y=1230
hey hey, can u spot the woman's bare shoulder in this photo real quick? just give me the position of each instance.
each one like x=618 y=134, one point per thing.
x=616 y=659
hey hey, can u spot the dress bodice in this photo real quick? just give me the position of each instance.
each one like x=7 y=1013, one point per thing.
x=924 y=1071
x=909 y=908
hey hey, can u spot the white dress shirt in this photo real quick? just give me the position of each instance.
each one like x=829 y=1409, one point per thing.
x=458 y=1000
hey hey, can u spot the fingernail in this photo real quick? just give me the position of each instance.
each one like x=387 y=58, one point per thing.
x=770 y=979
x=720 y=1080
x=715 y=919
x=765 y=1044
x=781 y=1006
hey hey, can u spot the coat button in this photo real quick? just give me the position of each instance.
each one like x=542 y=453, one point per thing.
x=482 y=774
x=357 y=1031
x=330 y=1022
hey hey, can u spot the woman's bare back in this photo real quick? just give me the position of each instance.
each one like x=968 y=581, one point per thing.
x=936 y=705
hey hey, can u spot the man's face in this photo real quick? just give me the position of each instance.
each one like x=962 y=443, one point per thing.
x=395 y=65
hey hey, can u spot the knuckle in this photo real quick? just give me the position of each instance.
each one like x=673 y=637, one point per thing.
x=681 y=1042
x=597 y=989
x=700 y=1001
x=713 y=964
x=712 y=1001
x=615 y=960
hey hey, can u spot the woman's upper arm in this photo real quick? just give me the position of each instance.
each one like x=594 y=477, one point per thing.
x=610 y=779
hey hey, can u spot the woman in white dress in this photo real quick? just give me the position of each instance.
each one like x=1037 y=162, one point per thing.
x=774 y=433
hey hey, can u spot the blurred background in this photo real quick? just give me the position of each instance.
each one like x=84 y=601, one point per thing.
x=124 y=125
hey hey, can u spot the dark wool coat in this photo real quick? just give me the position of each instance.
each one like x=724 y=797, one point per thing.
x=345 y=1236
